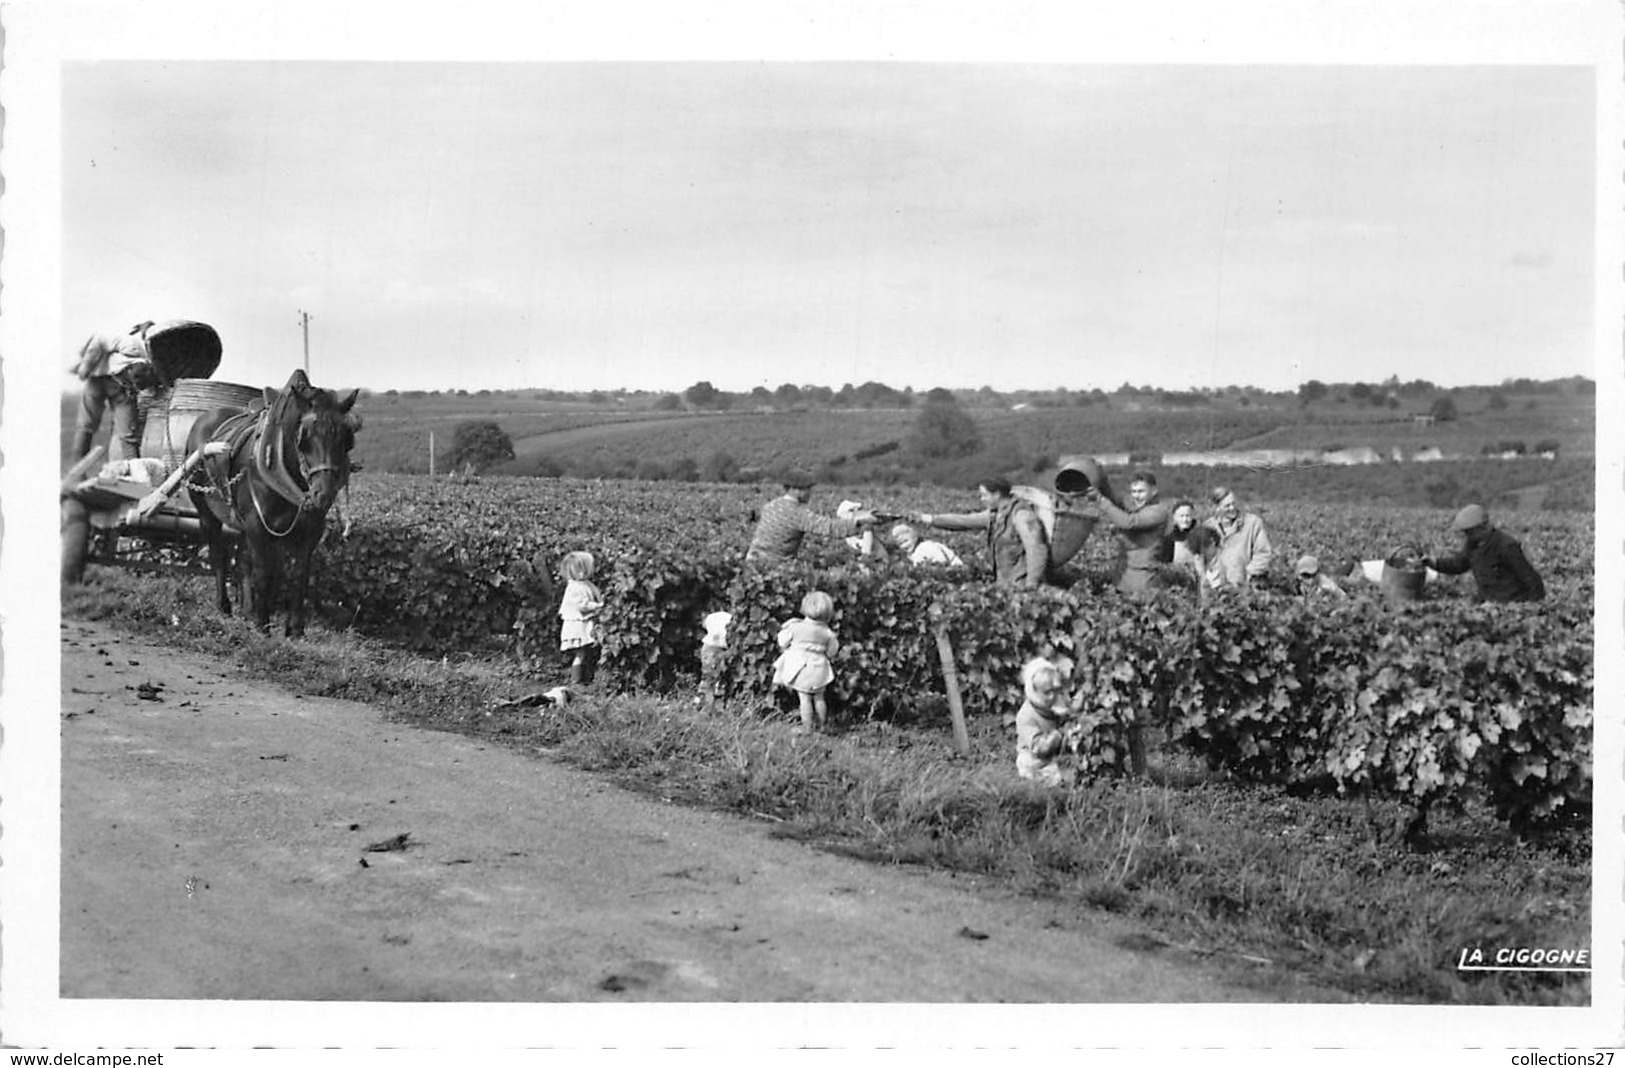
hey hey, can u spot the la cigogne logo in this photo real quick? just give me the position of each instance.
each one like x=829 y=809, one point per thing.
x=1523 y=959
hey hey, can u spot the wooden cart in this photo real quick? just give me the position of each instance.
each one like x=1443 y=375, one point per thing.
x=150 y=523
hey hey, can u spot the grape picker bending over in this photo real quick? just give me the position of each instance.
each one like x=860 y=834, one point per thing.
x=115 y=370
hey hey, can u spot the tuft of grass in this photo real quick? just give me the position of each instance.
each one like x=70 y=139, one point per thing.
x=1295 y=887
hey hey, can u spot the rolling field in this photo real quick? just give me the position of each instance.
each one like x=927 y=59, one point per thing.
x=625 y=436
x=873 y=445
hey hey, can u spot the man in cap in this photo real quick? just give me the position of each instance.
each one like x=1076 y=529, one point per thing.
x=1496 y=559
x=1312 y=582
x=1244 y=545
x=786 y=520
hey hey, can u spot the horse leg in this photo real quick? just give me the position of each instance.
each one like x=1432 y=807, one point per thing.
x=219 y=546
x=220 y=559
x=298 y=589
x=262 y=573
x=241 y=578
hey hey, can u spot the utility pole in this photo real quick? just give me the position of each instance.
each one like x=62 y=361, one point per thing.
x=304 y=326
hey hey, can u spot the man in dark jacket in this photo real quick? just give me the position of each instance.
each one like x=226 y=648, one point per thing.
x=1495 y=558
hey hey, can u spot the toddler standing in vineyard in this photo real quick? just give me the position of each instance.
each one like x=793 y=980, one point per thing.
x=713 y=650
x=578 y=611
x=804 y=667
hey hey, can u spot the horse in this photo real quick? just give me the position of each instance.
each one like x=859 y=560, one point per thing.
x=282 y=465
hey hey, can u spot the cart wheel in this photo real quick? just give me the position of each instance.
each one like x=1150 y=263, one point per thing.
x=75 y=540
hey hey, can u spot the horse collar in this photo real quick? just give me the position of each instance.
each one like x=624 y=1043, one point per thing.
x=272 y=463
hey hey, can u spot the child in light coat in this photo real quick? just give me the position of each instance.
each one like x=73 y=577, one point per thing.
x=804 y=666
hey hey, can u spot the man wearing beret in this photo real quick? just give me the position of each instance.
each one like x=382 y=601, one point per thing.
x=1497 y=562
x=786 y=520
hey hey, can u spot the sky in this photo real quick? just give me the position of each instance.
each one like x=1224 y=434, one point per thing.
x=646 y=225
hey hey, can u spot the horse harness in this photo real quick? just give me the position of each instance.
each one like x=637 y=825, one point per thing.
x=270 y=462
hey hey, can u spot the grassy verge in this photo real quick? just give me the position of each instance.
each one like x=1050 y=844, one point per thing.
x=1287 y=888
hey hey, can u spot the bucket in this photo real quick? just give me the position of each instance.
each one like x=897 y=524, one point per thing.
x=169 y=415
x=1404 y=575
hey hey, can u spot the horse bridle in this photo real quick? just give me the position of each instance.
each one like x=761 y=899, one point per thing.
x=306 y=473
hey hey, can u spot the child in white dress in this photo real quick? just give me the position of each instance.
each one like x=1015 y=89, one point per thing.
x=578 y=611
x=804 y=667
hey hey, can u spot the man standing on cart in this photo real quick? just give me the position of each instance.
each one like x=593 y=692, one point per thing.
x=115 y=369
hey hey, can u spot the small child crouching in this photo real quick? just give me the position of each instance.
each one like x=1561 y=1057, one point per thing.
x=1040 y=738
x=713 y=650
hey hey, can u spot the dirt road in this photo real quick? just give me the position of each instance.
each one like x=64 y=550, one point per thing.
x=215 y=844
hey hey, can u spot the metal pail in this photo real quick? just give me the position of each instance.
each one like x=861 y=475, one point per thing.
x=1403 y=584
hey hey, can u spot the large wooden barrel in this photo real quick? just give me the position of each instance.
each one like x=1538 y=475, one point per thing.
x=170 y=414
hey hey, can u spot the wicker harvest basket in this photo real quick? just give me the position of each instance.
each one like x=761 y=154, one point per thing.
x=169 y=415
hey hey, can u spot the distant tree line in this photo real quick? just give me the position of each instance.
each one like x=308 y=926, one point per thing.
x=704 y=396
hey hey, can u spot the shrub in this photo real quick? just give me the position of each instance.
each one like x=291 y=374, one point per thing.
x=944 y=432
x=479 y=444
